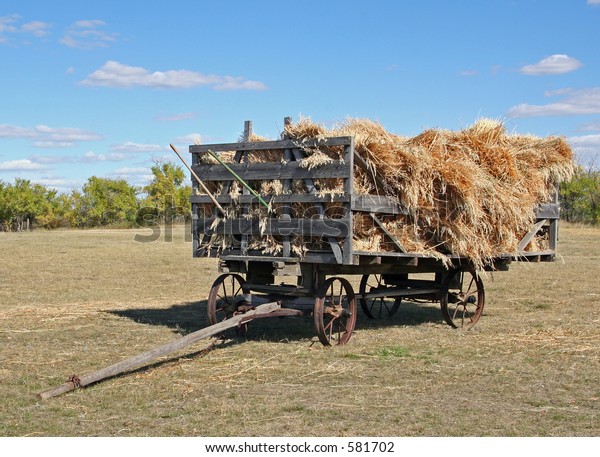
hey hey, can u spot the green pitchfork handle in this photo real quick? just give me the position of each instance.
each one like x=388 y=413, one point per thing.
x=213 y=199
x=236 y=176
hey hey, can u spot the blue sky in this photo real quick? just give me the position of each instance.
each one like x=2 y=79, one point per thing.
x=102 y=88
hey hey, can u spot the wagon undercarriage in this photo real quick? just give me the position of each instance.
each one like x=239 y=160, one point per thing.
x=333 y=303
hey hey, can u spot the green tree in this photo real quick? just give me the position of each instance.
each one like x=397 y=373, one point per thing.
x=25 y=205
x=580 y=197
x=57 y=210
x=167 y=196
x=104 y=201
x=22 y=204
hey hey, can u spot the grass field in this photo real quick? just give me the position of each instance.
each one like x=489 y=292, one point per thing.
x=76 y=301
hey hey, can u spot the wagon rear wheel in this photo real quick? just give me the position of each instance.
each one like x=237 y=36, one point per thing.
x=462 y=298
x=335 y=311
x=376 y=308
x=226 y=298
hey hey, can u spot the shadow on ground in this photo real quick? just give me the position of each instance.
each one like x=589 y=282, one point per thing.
x=184 y=318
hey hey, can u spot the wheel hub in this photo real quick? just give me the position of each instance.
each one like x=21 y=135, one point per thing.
x=335 y=310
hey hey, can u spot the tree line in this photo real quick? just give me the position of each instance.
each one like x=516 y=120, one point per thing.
x=101 y=202
x=580 y=197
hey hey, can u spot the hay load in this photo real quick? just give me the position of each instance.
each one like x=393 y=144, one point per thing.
x=470 y=193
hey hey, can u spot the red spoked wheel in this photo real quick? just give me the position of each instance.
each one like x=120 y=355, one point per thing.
x=462 y=298
x=226 y=298
x=334 y=312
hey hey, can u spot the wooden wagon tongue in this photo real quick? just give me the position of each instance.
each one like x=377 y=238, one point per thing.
x=74 y=381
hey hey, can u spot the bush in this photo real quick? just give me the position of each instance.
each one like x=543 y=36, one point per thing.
x=580 y=197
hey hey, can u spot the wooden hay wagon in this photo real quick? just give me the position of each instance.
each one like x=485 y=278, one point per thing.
x=297 y=250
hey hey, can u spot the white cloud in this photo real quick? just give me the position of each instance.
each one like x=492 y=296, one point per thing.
x=10 y=25
x=574 y=102
x=469 y=73
x=593 y=2
x=586 y=140
x=48 y=137
x=6 y=23
x=36 y=28
x=137 y=147
x=21 y=165
x=86 y=34
x=121 y=152
x=587 y=149
x=553 y=65
x=115 y=74
x=51 y=159
x=53 y=144
x=235 y=83
x=138 y=176
x=593 y=126
x=191 y=138
x=14 y=131
x=60 y=184
x=62 y=137
x=52 y=182
x=88 y=24
x=90 y=157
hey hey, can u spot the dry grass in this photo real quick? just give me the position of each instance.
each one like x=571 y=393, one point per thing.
x=75 y=301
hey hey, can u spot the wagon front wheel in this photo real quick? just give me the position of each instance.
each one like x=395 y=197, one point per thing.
x=334 y=311
x=226 y=298
x=462 y=298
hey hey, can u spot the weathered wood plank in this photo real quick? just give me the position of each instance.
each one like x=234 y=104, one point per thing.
x=283 y=199
x=287 y=187
x=236 y=255
x=346 y=243
x=364 y=203
x=270 y=145
x=271 y=171
x=529 y=236
x=377 y=204
x=547 y=211
x=387 y=233
x=281 y=227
